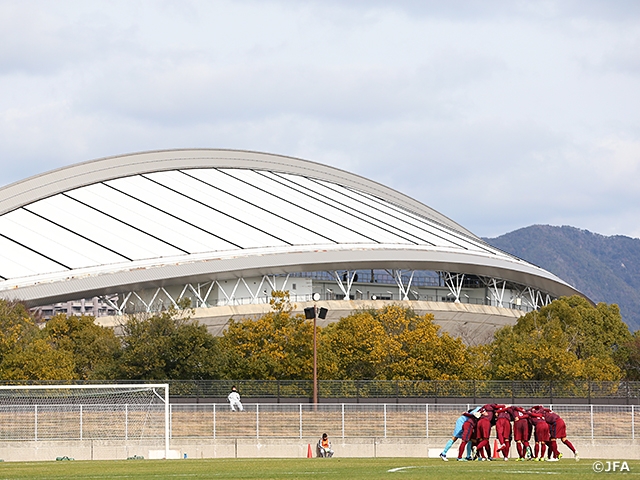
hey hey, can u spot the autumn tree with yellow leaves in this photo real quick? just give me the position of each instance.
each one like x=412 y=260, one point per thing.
x=393 y=343
x=567 y=339
x=276 y=346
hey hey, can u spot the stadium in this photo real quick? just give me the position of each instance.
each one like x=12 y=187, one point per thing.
x=220 y=230
x=223 y=228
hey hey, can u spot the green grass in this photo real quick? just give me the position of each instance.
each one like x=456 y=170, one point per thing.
x=333 y=469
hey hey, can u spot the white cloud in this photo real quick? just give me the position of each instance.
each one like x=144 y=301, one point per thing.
x=498 y=114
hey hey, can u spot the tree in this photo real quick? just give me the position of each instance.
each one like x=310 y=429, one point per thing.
x=631 y=357
x=166 y=346
x=38 y=360
x=17 y=327
x=276 y=346
x=567 y=339
x=24 y=352
x=393 y=343
x=95 y=349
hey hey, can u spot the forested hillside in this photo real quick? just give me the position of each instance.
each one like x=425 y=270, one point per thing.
x=606 y=269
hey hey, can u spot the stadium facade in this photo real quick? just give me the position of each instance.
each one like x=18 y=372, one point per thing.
x=224 y=228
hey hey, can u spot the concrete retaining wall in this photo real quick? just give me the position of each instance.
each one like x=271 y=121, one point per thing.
x=281 y=448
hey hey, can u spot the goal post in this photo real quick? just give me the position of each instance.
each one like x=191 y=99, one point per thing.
x=128 y=412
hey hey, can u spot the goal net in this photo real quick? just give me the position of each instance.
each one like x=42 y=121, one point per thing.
x=85 y=412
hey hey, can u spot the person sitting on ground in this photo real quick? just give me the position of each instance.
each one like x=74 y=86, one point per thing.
x=324 y=446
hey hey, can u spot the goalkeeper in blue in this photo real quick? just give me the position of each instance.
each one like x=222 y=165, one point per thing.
x=457 y=433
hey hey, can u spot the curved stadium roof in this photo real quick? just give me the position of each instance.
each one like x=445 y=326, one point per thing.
x=165 y=217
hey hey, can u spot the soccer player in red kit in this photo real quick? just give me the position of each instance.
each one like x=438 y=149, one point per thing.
x=503 y=430
x=557 y=429
x=521 y=431
x=468 y=430
x=541 y=434
x=483 y=432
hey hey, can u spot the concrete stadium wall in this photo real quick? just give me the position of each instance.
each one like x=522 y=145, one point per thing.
x=366 y=447
x=475 y=323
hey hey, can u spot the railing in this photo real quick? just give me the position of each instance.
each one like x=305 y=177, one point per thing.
x=379 y=420
x=35 y=423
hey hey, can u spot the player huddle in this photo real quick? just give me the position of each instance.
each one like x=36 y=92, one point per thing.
x=473 y=428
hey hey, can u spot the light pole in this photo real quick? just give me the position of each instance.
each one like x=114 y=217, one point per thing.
x=314 y=313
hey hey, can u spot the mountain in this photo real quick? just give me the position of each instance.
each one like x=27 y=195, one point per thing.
x=606 y=269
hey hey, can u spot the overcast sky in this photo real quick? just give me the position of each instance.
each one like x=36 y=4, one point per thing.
x=499 y=115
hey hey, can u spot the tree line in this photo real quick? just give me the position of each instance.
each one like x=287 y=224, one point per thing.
x=568 y=339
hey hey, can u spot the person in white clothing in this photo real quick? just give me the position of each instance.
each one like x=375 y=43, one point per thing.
x=234 y=400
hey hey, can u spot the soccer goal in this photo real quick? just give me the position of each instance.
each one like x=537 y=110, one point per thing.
x=131 y=413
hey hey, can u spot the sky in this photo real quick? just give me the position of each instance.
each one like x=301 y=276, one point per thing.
x=498 y=114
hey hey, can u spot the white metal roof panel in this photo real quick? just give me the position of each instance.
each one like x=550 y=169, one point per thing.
x=187 y=213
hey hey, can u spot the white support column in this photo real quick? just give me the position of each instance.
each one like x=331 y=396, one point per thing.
x=146 y=307
x=454 y=282
x=404 y=291
x=533 y=295
x=274 y=283
x=169 y=297
x=184 y=290
x=256 y=294
x=153 y=299
x=119 y=309
x=496 y=292
x=197 y=294
x=346 y=289
x=230 y=298
x=206 y=297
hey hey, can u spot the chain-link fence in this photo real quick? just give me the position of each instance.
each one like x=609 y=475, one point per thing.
x=431 y=391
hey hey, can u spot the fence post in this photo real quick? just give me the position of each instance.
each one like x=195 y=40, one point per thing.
x=633 y=423
x=300 y=420
x=385 y=420
x=80 y=422
x=343 y=420
x=278 y=389
x=550 y=391
x=591 y=409
x=214 y=421
x=427 y=418
x=257 y=420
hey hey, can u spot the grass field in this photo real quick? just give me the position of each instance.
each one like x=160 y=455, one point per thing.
x=333 y=469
